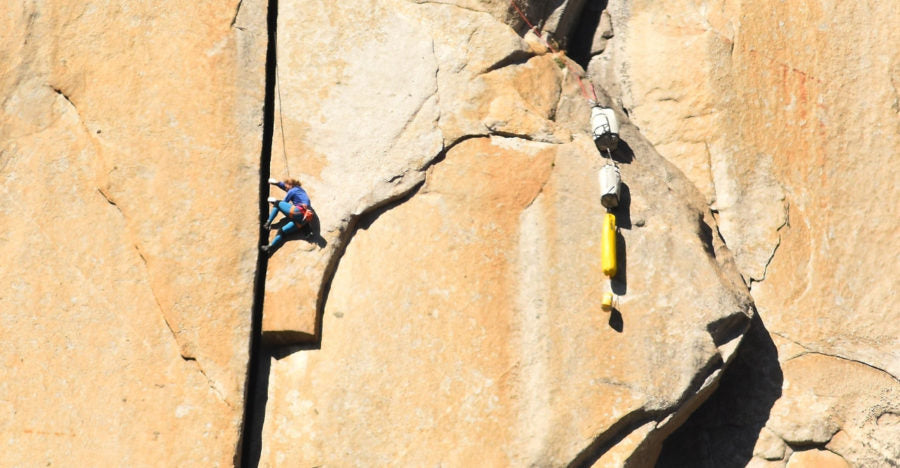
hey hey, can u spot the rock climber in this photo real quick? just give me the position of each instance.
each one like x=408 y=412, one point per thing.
x=295 y=207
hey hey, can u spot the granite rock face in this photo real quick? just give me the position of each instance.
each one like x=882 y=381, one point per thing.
x=491 y=347
x=451 y=290
x=129 y=152
x=786 y=116
x=445 y=306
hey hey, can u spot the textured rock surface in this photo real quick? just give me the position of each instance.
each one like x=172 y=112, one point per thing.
x=786 y=116
x=463 y=325
x=491 y=345
x=357 y=138
x=448 y=300
x=361 y=118
x=129 y=146
x=816 y=459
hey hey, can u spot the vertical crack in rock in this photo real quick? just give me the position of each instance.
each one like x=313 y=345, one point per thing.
x=248 y=449
x=581 y=38
x=786 y=223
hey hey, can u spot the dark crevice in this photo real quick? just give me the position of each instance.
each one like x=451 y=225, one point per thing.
x=517 y=57
x=248 y=450
x=705 y=231
x=520 y=136
x=695 y=392
x=581 y=40
x=805 y=445
x=728 y=328
x=724 y=430
x=612 y=436
x=59 y=91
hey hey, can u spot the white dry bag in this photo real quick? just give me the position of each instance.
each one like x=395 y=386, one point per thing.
x=605 y=128
x=610 y=180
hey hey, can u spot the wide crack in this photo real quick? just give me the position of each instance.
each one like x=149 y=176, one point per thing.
x=248 y=450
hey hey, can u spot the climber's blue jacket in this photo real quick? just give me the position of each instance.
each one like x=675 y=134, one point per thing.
x=295 y=196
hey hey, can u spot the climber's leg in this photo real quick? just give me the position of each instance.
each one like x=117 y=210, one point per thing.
x=281 y=206
x=279 y=237
x=284 y=207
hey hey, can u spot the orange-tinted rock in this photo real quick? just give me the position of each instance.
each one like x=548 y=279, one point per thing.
x=463 y=325
x=785 y=115
x=129 y=149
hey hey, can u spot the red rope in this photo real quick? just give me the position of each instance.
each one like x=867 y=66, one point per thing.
x=553 y=49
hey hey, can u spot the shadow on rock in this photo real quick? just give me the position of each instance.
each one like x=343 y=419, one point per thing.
x=623 y=209
x=623 y=153
x=724 y=430
x=615 y=320
x=619 y=283
x=258 y=397
x=311 y=232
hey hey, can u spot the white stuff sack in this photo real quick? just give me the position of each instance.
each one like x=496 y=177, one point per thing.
x=610 y=180
x=604 y=127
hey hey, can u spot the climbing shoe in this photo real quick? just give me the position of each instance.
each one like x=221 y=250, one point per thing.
x=273 y=200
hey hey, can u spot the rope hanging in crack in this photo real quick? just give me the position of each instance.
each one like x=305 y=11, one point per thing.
x=590 y=97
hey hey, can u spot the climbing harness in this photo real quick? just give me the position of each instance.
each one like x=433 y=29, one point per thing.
x=300 y=213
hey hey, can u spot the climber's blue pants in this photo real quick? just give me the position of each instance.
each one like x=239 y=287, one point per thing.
x=286 y=229
x=281 y=206
x=285 y=208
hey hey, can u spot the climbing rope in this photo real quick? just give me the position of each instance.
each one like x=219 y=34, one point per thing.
x=611 y=160
x=568 y=63
x=287 y=168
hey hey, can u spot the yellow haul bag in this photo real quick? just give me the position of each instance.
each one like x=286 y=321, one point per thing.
x=608 y=245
